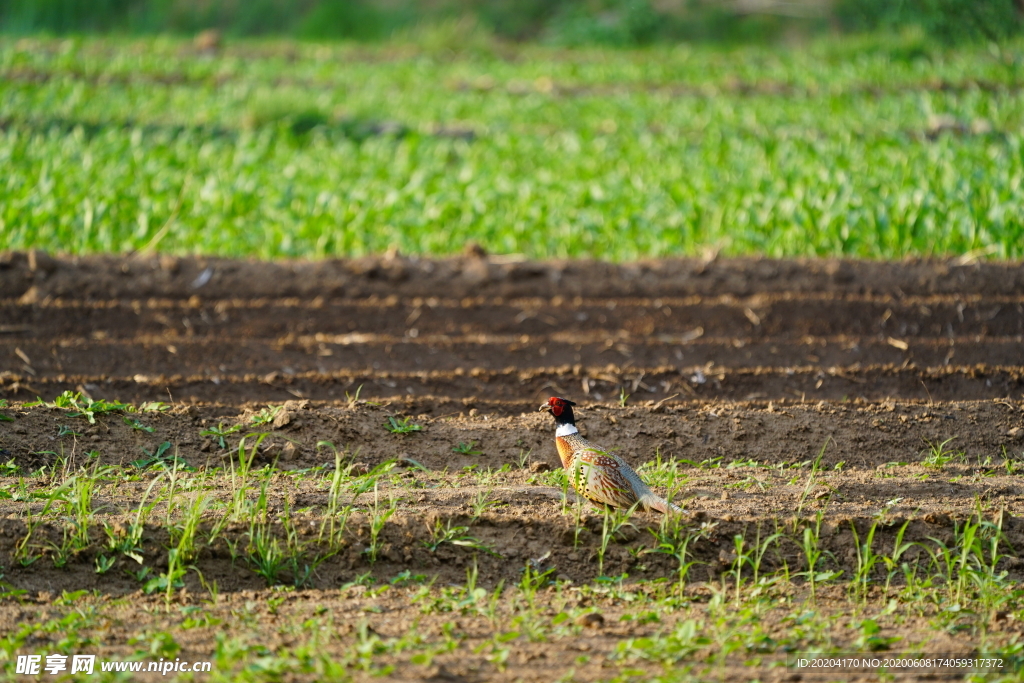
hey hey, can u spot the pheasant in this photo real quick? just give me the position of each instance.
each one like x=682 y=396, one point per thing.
x=601 y=477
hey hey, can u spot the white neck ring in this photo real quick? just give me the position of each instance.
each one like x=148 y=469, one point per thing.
x=566 y=430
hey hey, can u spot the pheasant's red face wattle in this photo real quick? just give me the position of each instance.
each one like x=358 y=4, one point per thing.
x=557 y=405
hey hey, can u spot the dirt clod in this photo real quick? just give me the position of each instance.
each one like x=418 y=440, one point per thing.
x=40 y=261
x=590 y=620
x=289 y=451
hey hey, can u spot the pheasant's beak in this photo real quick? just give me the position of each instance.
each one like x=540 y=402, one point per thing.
x=544 y=406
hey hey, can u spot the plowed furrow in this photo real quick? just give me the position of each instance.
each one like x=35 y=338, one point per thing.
x=787 y=318
x=356 y=352
x=765 y=438
x=102 y=277
x=871 y=383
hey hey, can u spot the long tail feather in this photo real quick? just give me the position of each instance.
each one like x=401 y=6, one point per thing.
x=653 y=502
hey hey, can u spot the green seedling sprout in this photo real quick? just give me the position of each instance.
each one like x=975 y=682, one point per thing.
x=403 y=426
x=265 y=416
x=220 y=433
x=467 y=449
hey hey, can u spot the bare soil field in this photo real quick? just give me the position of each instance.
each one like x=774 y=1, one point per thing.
x=376 y=422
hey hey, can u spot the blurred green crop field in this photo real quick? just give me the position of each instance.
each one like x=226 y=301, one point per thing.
x=859 y=146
